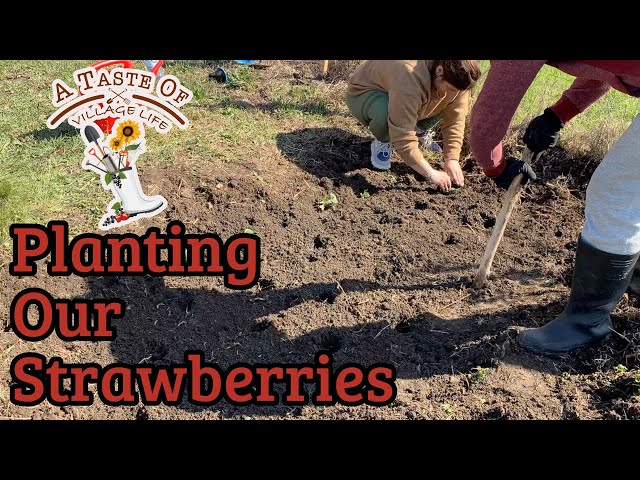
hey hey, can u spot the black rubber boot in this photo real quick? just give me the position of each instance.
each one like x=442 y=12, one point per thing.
x=634 y=286
x=600 y=280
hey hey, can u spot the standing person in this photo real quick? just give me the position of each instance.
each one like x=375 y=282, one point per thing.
x=609 y=244
x=394 y=97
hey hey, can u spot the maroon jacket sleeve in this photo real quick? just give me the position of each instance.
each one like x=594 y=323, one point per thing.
x=504 y=87
x=582 y=93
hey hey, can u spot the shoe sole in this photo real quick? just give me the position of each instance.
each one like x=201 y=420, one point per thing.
x=560 y=355
x=380 y=166
x=543 y=353
x=377 y=164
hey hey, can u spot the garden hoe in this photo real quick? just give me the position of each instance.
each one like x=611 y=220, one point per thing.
x=510 y=199
x=93 y=136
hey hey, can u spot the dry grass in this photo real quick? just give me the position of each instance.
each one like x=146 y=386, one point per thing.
x=340 y=70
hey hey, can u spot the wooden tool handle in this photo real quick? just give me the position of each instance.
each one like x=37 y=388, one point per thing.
x=510 y=199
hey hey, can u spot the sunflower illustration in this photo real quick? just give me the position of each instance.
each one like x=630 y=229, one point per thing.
x=128 y=131
x=116 y=143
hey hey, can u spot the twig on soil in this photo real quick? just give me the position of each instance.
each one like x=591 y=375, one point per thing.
x=439 y=331
x=2 y=417
x=510 y=255
x=378 y=334
x=475 y=230
x=340 y=287
x=145 y=359
x=621 y=335
x=179 y=186
x=453 y=303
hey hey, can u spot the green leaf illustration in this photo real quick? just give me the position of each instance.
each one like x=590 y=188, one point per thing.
x=122 y=175
x=108 y=178
x=132 y=147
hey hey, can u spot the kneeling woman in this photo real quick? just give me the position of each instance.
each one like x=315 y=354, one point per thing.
x=395 y=97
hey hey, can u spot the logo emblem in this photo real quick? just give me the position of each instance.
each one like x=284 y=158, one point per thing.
x=111 y=108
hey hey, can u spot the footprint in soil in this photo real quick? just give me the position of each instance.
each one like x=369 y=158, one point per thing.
x=571 y=246
x=320 y=242
x=261 y=326
x=452 y=239
x=331 y=342
x=387 y=219
x=489 y=220
x=329 y=295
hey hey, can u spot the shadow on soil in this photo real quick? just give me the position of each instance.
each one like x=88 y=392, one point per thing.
x=332 y=153
x=162 y=323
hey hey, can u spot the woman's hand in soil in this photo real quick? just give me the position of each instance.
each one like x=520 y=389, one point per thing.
x=440 y=179
x=452 y=168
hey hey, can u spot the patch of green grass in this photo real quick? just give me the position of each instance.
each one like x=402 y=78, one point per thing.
x=478 y=375
x=448 y=409
x=620 y=368
x=5 y=190
x=198 y=92
x=300 y=100
x=242 y=77
x=227 y=134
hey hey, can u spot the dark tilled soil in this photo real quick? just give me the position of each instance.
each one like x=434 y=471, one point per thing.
x=382 y=276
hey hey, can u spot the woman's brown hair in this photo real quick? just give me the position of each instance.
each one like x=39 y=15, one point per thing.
x=462 y=74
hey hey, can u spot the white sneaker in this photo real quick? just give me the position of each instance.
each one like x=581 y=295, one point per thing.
x=380 y=155
x=425 y=140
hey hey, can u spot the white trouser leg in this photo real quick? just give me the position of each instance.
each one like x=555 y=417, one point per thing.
x=612 y=213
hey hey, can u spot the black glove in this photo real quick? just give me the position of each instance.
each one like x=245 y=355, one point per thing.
x=543 y=131
x=511 y=170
